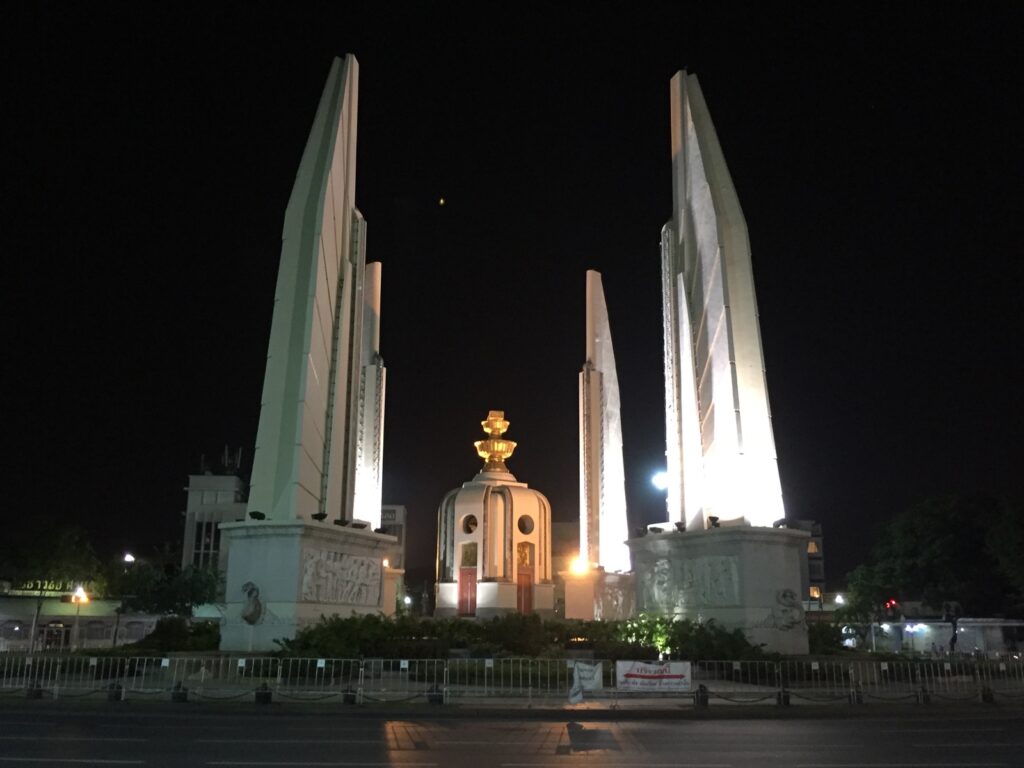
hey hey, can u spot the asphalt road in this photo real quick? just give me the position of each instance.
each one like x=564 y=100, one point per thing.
x=192 y=736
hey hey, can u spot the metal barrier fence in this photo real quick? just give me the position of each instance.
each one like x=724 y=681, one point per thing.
x=444 y=680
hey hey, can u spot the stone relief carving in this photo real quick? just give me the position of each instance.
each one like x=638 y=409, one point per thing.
x=787 y=615
x=252 y=611
x=710 y=581
x=700 y=582
x=336 y=577
x=656 y=590
x=615 y=603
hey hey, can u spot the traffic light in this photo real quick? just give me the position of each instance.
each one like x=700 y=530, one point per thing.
x=892 y=608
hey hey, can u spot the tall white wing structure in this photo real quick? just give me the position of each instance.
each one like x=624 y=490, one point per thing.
x=604 y=527
x=308 y=439
x=720 y=447
x=370 y=447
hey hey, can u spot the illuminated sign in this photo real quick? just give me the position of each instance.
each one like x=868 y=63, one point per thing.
x=38 y=587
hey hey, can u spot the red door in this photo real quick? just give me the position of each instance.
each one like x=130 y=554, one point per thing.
x=467 y=591
x=524 y=589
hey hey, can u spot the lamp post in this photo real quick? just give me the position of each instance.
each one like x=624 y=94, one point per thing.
x=129 y=561
x=80 y=596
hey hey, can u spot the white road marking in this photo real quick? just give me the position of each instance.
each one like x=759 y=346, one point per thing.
x=67 y=738
x=351 y=765
x=901 y=765
x=90 y=761
x=972 y=744
x=942 y=730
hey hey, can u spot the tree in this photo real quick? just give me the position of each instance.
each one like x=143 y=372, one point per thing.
x=149 y=588
x=938 y=551
x=1006 y=543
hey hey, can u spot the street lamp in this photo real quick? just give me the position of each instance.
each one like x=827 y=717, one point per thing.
x=80 y=596
x=129 y=557
x=660 y=480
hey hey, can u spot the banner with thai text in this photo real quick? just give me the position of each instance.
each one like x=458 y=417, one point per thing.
x=586 y=676
x=653 y=676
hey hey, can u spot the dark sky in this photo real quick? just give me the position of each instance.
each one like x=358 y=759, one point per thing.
x=149 y=151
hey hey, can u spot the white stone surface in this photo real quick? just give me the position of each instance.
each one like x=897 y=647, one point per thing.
x=284 y=575
x=306 y=443
x=742 y=577
x=320 y=439
x=597 y=594
x=720 y=448
x=369 y=458
x=604 y=526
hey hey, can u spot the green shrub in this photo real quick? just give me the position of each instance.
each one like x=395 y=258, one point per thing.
x=174 y=634
x=824 y=638
x=515 y=635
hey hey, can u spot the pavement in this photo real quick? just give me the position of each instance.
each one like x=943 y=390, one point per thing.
x=532 y=708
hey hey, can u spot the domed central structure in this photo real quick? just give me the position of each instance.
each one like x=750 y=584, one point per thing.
x=494 y=539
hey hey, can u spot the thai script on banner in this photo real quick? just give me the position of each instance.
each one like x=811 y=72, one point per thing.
x=653 y=675
x=590 y=673
x=586 y=676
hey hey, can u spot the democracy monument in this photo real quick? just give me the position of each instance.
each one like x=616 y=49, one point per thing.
x=308 y=546
x=724 y=553
x=311 y=544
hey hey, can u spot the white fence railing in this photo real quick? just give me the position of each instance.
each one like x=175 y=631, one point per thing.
x=361 y=680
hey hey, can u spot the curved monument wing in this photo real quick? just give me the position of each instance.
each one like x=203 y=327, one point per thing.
x=721 y=450
x=303 y=463
x=604 y=527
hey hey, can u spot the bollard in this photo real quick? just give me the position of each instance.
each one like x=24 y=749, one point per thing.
x=987 y=696
x=263 y=694
x=115 y=692
x=179 y=693
x=923 y=697
x=782 y=698
x=856 y=697
x=700 y=698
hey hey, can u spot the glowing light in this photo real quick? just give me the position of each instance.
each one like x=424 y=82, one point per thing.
x=80 y=595
x=840 y=600
x=885 y=627
x=660 y=480
x=407 y=600
x=579 y=566
x=387 y=563
x=441 y=202
x=915 y=628
x=129 y=557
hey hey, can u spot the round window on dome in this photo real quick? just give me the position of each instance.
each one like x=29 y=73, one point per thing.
x=469 y=523
x=526 y=524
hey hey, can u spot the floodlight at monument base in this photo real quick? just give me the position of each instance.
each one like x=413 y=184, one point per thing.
x=579 y=566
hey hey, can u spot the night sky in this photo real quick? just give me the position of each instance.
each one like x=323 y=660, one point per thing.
x=149 y=152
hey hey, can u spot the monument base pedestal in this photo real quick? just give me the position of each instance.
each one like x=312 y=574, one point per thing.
x=493 y=598
x=741 y=577
x=283 y=575
x=597 y=594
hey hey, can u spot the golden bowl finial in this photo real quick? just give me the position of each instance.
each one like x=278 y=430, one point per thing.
x=495 y=449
